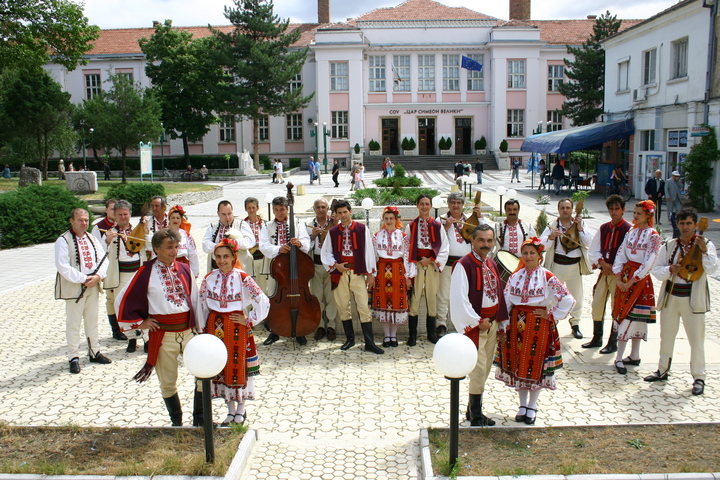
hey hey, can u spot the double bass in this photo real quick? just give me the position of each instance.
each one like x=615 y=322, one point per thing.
x=294 y=310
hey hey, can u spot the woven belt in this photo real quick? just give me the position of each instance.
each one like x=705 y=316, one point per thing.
x=127 y=267
x=175 y=322
x=317 y=260
x=565 y=260
x=679 y=289
x=258 y=255
x=451 y=260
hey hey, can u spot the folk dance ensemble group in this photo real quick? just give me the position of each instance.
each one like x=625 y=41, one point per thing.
x=510 y=310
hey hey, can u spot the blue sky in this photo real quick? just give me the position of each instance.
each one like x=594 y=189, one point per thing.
x=141 y=13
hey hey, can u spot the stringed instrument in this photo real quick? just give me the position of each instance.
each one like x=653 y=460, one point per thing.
x=472 y=222
x=331 y=221
x=691 y=267
x=571 y=239
x=134 y=243
x=294 y=310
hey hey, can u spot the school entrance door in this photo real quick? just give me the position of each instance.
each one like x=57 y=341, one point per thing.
x=426 y=136
x=390 y=143
x=463 y=135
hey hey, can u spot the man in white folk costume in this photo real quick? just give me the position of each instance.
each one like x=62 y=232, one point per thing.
x=157 y=221
x=228 y=225
x=254 y=267
x=512 y=232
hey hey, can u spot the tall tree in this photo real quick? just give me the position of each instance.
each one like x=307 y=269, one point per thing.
x=34 y=31
x=185 y=74
x=122 y=116
x=35 y=117
x=259 y=55
x=585 y=90
x=698 y=171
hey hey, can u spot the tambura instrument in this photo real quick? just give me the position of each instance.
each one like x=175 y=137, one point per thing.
x=507 y=262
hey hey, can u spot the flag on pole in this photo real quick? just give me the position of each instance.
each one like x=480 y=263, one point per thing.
x=396 y=77
x=470 y=64
x=534 y=162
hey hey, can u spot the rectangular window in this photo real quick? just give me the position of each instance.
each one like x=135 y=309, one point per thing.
x=227 y=129
x=92 y=85
x=623 y=72
x=401 y=75
x=263 y=130
x=677 y=139
x=451 y=73
x=475 y=80
x=554 y=121
x=647 y=140
x=339 y=124
x=516 y=123
x=296 y=82
x=556 y=74
x=377 y=73
x=127 y=76
x=649 y=66
x=294 y=124
x=516 y=74
x=680 y=58
x=426 y=73
x=338 y=76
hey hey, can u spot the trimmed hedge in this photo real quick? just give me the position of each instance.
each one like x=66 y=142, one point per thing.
x=135 y=193
x=398 y=182
x=36 y=214
x=296 y=162
x=394 y=196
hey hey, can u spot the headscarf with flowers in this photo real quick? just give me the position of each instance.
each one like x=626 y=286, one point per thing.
x=394 y=211
x=535 y=242
x=234 y=248
x=649 y=207
x=184 y=224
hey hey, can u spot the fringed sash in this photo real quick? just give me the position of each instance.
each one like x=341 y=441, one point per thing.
x=174 y=323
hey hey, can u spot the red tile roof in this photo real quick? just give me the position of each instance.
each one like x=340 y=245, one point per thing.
x=570 y=32
x=422 y=10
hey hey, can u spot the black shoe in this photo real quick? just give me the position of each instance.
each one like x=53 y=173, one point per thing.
x=301 y=340
x=117 y=334
x=656 y=375
x=576 y=332
x=386 y=342
x=698 y=387
x=412 y=324
x=430 y=324
x=174 y=410
x=597 y=336
x=369 y=340
x=393 y=342
x=75 y=365
x=272 y=338
x=349 y=335
x=629 y=361
x=132 y=346
x=611 y=346
x=320 y=333
x=441 y=331
x=474 y=412
x=620 y=367
x=530 y=420
x=521 y=418
x=100 y=358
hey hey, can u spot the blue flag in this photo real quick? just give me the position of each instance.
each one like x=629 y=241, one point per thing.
x=470 y=64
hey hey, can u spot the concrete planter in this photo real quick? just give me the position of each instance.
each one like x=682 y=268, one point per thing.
x=408 y=152
x=446 y=152
x=503 y=160
x=374 y=153
x=481 y=152
x=357 y=157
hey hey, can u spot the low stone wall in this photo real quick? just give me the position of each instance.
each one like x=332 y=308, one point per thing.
x=193 y=198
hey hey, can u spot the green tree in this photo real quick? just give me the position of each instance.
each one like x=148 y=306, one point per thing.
x=35 y=31
x=35 y=118
x=585 y=89
x=122 y=117
x=185 y=74
x=259 y=55
x=698 y=167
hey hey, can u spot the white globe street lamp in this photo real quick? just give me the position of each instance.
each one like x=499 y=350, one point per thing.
x=501 y=191
x=205 y=356
x=455 y=356
x=367 y=204
x=268 y=199
x=437 y=202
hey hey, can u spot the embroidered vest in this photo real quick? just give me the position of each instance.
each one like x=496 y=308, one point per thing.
x=357 y=237
x=435 y=238
x=475 y=295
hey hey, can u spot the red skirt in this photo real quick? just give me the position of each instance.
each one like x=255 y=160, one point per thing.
x=389 y=295
x=638 y=303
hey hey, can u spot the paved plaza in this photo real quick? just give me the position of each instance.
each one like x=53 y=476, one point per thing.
x=321 y=412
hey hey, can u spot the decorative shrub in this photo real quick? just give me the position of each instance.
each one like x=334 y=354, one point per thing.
x=481 y=144
x=398 y=170
x=504 y=146
x=265 y=161
x=374 y=146
x=448 y=143
x=405 y=145
x=441 y=144
x=541 y=223
x=402 y=181
x=357 y=148
x=136 y=193
x=35 y=214
x=295 y=163
x=412 y=144
x=394 y=196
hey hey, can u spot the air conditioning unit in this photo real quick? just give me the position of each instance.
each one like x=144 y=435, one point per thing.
x=639 y=95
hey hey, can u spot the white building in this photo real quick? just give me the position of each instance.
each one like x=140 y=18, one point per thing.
x=390 y=74
x=657 y=72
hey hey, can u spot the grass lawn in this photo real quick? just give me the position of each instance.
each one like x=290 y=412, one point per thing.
x=171 y=188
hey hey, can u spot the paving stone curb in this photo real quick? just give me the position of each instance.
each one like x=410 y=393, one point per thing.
x=426 y=471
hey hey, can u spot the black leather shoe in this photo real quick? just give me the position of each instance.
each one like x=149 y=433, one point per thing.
x=320 y=333
x=301 y=340
x=629 y=361
x=272 y=338
x=482 y=421
x=441 y=331
x=132 y=345
x=100 y=358
x=520 y=418
x=119 y=336
x=386 y=342
x=75 y=365
x=576 y=332
x=620 y=367
x=393 y=342
x=655 y=376
x=698 y=387
x=331 y=335
x=530 y=420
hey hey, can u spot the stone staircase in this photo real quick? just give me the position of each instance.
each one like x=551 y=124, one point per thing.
x=424 y=162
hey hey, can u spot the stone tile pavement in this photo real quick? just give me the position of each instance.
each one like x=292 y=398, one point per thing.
x=321 y=412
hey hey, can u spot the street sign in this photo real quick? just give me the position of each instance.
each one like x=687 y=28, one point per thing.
x=698 y=131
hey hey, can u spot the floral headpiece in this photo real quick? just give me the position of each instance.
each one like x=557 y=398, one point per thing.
x=229 y=243
x=394 y=210
x=649 y=207
x=179 y=209
x=536 y=242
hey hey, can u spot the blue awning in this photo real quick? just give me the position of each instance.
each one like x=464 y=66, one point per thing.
x=578 y=138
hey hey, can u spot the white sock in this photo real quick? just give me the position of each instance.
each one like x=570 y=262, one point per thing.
x=231 y=406
x=523 y=394
x=620 y=350
x=240 y=410
x=534 y=395
x=635 y=350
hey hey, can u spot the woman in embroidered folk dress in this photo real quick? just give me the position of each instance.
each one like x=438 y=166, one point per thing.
x=390 y=304
x=231 y=303
x=634 y=293
x=528 y=343
x=187 y=252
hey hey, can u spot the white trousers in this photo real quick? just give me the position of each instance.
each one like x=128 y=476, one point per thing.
x=570 y=276
x=111 y=293
x=321 y=287
x=443 y=297
x=84 y=312
x=694 y=324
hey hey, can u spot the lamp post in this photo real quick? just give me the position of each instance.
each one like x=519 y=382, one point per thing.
x=268 y=199
x=500 y=191
x=82 y=125
x=437 y=202
x=205 y=356
x=326 y=133
x=367 y=204
x=314 y=133
x=454 y=356
x=162 y=149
